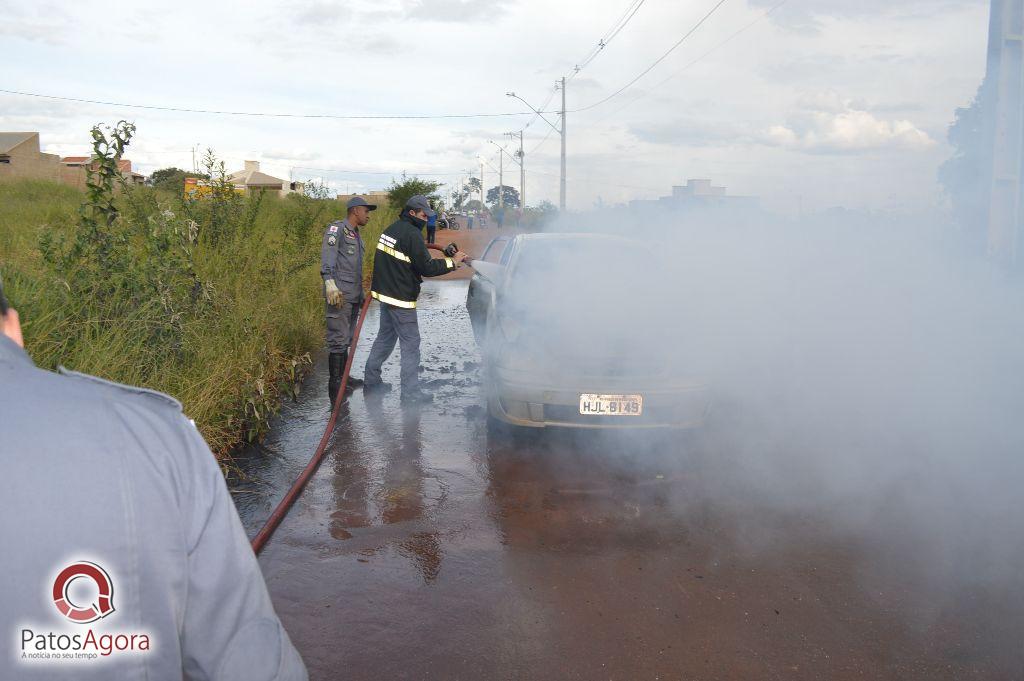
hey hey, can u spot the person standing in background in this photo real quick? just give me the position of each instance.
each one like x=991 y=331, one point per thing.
x=431 y=225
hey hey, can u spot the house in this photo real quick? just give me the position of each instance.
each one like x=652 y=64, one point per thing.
x=253 y=179
x=20 y=156
x=698 y=194
x=73 y=171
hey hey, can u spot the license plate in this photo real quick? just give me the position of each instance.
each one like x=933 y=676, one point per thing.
x=611 y=405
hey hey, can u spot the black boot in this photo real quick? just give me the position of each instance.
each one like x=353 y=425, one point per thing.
x=352 y=382
x=335 y=365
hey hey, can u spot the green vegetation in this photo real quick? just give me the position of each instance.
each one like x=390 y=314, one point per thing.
x=216 y=301
x=510 y=196
x=173 y=179
x=400 y=192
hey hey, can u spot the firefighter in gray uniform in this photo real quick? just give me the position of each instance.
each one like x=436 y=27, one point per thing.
x=341 y=266
x=113 y=490
x=399 y=265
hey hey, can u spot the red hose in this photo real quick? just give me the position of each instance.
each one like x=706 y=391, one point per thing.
x=282 y=508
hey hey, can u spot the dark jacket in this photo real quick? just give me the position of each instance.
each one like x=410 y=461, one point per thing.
x=401 y=262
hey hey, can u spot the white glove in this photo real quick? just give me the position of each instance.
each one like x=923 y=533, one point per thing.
x=334 y=296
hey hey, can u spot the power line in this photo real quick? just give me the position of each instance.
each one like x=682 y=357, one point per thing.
x=542 y=107
x=367 y=172
x=261 y=114
x=541 y=143
x=608 y=36
x=764 y=15
x=656 y=61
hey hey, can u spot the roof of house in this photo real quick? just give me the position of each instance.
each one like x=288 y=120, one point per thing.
x=9 y=140
x=124 y=164
x=254 y=178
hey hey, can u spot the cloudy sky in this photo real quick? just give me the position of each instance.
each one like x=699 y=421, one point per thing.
x=819 y=103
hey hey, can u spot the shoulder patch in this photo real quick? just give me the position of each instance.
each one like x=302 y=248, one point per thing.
x=332 y=240
x=333 y=229
x=166 y=399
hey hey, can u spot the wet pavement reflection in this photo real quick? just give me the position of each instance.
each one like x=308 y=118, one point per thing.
x=429 y=546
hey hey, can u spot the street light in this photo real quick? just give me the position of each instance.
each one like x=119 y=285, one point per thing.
x=501 y=174
x=561 y=131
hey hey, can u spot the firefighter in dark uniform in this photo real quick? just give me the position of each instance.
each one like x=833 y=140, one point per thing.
x=399 y=265
x=341 y=266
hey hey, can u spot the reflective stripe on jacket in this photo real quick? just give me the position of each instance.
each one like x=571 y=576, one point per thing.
x=400 y=263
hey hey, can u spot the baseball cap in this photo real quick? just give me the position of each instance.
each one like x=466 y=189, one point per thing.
x=419 y=202
x=360 y=201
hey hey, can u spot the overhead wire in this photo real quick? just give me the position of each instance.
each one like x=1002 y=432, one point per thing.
x=262 y=114
x=657 y=61
x=608 y=36
x=764 y=15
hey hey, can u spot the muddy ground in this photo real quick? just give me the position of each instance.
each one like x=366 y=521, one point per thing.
x=428 y=546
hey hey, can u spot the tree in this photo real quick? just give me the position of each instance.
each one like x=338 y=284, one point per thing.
x=400 y=192
x=510 y=194
x=173 y=179
x=467 y=191
x=967 y=175
x=474 y=204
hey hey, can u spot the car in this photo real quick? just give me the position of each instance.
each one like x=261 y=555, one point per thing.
x=570 y=337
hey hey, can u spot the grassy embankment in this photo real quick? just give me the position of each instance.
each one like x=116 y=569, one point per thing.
x=217 y=302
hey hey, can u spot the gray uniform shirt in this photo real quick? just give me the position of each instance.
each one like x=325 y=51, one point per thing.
x=117 y=476
x=341 y=259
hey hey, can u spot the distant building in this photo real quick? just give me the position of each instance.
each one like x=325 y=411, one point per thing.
x=73 y=171
x=251 y=178
x=376 y=198
x=20 y=156
x=697 y=194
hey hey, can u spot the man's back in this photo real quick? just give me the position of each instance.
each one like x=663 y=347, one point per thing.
x=101 y=474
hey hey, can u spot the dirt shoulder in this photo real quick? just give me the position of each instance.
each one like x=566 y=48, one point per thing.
x=472 y=241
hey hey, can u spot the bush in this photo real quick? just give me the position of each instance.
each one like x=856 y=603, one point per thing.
x=216 y=301
x=399 y=193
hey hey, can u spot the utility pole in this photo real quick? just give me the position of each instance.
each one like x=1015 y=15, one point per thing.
x=559 y=84
x=1005 y=61
x=561 y=193
x=481 y=183
x=501 y=181
x=522 y=174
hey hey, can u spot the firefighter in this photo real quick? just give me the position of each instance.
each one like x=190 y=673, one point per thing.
x=114 y=485
x=399 y=265
x=341 y=266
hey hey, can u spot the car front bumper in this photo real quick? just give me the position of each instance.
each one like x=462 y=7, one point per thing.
x=525 y=399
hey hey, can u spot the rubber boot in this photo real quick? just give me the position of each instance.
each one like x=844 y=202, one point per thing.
x=335 y=365
x=352 y=382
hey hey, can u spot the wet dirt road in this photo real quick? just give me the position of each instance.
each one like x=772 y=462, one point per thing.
x=427 y=547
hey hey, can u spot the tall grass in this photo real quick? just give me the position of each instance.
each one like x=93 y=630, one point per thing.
x=218 y=304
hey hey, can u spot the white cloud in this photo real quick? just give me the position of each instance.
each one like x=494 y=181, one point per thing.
x=299 y=154
x=457 y=10
x=806 y=17
x=827 y=123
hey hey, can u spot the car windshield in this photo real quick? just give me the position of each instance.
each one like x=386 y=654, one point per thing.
x=579 y=272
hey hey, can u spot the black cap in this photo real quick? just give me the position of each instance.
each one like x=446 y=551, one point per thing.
x=359 y=201
x=419 y=202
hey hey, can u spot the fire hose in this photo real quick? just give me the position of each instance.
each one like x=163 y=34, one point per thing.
x=282 y=508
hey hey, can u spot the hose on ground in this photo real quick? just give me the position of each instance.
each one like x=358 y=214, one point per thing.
x=282 y=508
